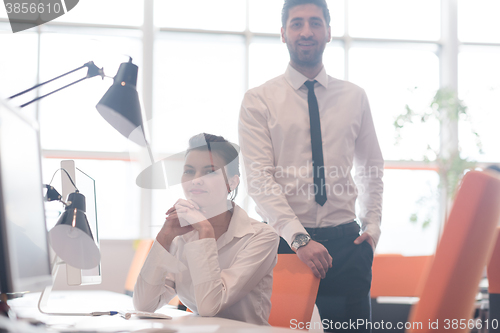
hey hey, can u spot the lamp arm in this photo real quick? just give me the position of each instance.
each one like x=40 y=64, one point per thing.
x=93 y=70
x=38 y=98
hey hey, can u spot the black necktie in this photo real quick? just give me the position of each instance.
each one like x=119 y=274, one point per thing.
x=316 y=145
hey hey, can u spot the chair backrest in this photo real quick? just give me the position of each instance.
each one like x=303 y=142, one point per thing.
x=461 y=255
x=135 y=268
x=494 y=267
x=494 y=285
x=395 y=275
x=294 y=291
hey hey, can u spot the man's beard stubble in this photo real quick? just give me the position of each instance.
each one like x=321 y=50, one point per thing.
x=310 y=61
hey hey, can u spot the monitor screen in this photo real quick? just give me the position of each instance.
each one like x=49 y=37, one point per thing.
x=86 y=185
x=24 y=257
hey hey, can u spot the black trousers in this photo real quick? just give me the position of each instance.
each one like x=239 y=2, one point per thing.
x=343 y=297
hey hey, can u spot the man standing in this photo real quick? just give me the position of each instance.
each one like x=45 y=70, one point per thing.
x=300 y=135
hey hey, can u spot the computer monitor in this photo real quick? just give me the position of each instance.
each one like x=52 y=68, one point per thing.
x=24 y=250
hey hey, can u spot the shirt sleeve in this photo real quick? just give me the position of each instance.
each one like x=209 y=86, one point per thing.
x=155 y=284
x=369 y=165
x=258 y=156
x=216 y=289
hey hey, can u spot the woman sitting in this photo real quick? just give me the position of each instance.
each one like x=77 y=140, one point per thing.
x=209 y=252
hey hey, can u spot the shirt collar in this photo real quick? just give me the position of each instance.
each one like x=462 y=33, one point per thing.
x=297 y=79
x=239 y=226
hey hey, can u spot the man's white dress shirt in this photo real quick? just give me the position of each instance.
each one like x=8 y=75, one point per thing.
x=275 y=142
x=229 y=278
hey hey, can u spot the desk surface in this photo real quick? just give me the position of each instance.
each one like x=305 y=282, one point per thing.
x=90 y=301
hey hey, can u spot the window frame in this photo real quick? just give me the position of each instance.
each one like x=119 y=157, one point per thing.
x=448 y=49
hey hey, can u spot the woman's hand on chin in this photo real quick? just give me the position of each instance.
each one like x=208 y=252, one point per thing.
x=171 y=229
x=189 y=212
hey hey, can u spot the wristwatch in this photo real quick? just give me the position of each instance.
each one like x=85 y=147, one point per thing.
x=299 y=241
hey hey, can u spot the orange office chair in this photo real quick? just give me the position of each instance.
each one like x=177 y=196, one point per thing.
x=294 y=291
x=461 y=255
x=494 y=283
x=395 y=275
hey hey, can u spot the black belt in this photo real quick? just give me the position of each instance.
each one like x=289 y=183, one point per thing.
x=330 y=233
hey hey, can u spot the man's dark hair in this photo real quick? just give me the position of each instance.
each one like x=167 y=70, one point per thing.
x=289 y=4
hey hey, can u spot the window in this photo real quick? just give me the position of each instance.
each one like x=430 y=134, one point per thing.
x=19 y=67
x=394 y=76
x=268 y=59
x=61 y=52
x=224 y=15
x=198 y=81
x=109 y=12
x=411 y=228
x=197 y=58
x=395 y=19
x=478 y=21
x=479 y=87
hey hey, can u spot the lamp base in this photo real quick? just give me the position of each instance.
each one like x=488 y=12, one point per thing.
x=44 y=297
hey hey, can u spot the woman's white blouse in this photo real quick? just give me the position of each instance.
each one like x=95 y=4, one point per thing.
x=229 y=278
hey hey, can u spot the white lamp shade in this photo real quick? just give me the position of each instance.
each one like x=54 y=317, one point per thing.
x=72 y=240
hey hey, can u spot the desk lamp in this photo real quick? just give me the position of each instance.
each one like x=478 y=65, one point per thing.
x=120 y=107
x=120 y=104
x=71 y=237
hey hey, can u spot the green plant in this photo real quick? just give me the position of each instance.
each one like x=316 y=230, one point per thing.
x=446 y=108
